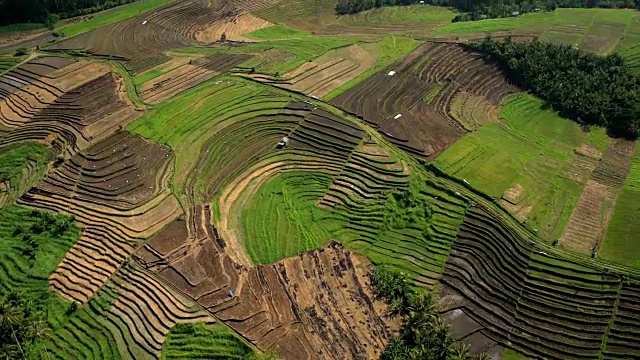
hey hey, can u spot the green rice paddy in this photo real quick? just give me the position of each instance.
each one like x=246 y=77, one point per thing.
x=530 y=148
x=620 y=243
x=200 y=341
x=283 y=218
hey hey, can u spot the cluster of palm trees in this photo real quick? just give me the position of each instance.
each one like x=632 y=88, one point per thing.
x=591 y=89
x=424 y=335
x=22 y=323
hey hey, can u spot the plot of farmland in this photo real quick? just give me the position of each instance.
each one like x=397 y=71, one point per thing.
x=277 y=305
x=117 y=190
x=499 y=289
x=410 y=101
x=327 y=73
x=217 y=179
x=538 y=168
x=590 y=218
x=61 y=101
x=141 y=40
x=619 y=241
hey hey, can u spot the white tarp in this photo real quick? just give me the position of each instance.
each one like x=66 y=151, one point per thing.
x=391 y=73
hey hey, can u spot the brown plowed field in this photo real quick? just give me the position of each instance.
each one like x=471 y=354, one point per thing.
x=117 y=190
x=316 y=305
x=413 y=106
x=141 y=41
x=58 y=100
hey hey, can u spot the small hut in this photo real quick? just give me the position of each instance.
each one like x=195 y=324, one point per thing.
x=283 y=142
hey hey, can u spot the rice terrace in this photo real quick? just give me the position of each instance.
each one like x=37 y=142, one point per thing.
x=319 y=179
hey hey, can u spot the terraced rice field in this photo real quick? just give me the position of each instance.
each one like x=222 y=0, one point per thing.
x=618 y=244
x=327 y=73
x=499 y=289
x=301 y=320
x=149 y=35
x=179 y=196
x=319 y=16
x=590 y=218
x=117 y=190
x=62 y=102
x=537 y=170
x=416 y=111
x=187 y=76
x=197 y=341
x=128 y=318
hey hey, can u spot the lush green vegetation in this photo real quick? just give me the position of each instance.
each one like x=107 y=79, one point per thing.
x=19 y=27
x=620 y=243
x=32 y=244
x=21 y=324
x=534 y=151
x=8 y=62
x=22 y=165
x=110 y=17
x=199 y=341
x=424 y=334
x=276 y=32
x=591 y=89
x=283 y=220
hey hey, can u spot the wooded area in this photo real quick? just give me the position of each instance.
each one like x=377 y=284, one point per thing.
x=47 y=11
x=487 y=9
x=588 y=88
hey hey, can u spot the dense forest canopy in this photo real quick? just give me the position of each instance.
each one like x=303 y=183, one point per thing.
x=484 y=9
x=24 y=11
x=591 y=89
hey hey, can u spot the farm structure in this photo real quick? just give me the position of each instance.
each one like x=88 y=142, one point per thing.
x=411 y=102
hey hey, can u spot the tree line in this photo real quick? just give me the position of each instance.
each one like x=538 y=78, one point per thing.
x=424 y=335
x=50 y=11
x=487 y=9
x=591 y=89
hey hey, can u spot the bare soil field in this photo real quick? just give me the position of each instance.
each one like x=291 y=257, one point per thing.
x=325 y=74
x=316 y=305
x=590 y=218
x=232 y=27
x=410 y=102
x=117 y=190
